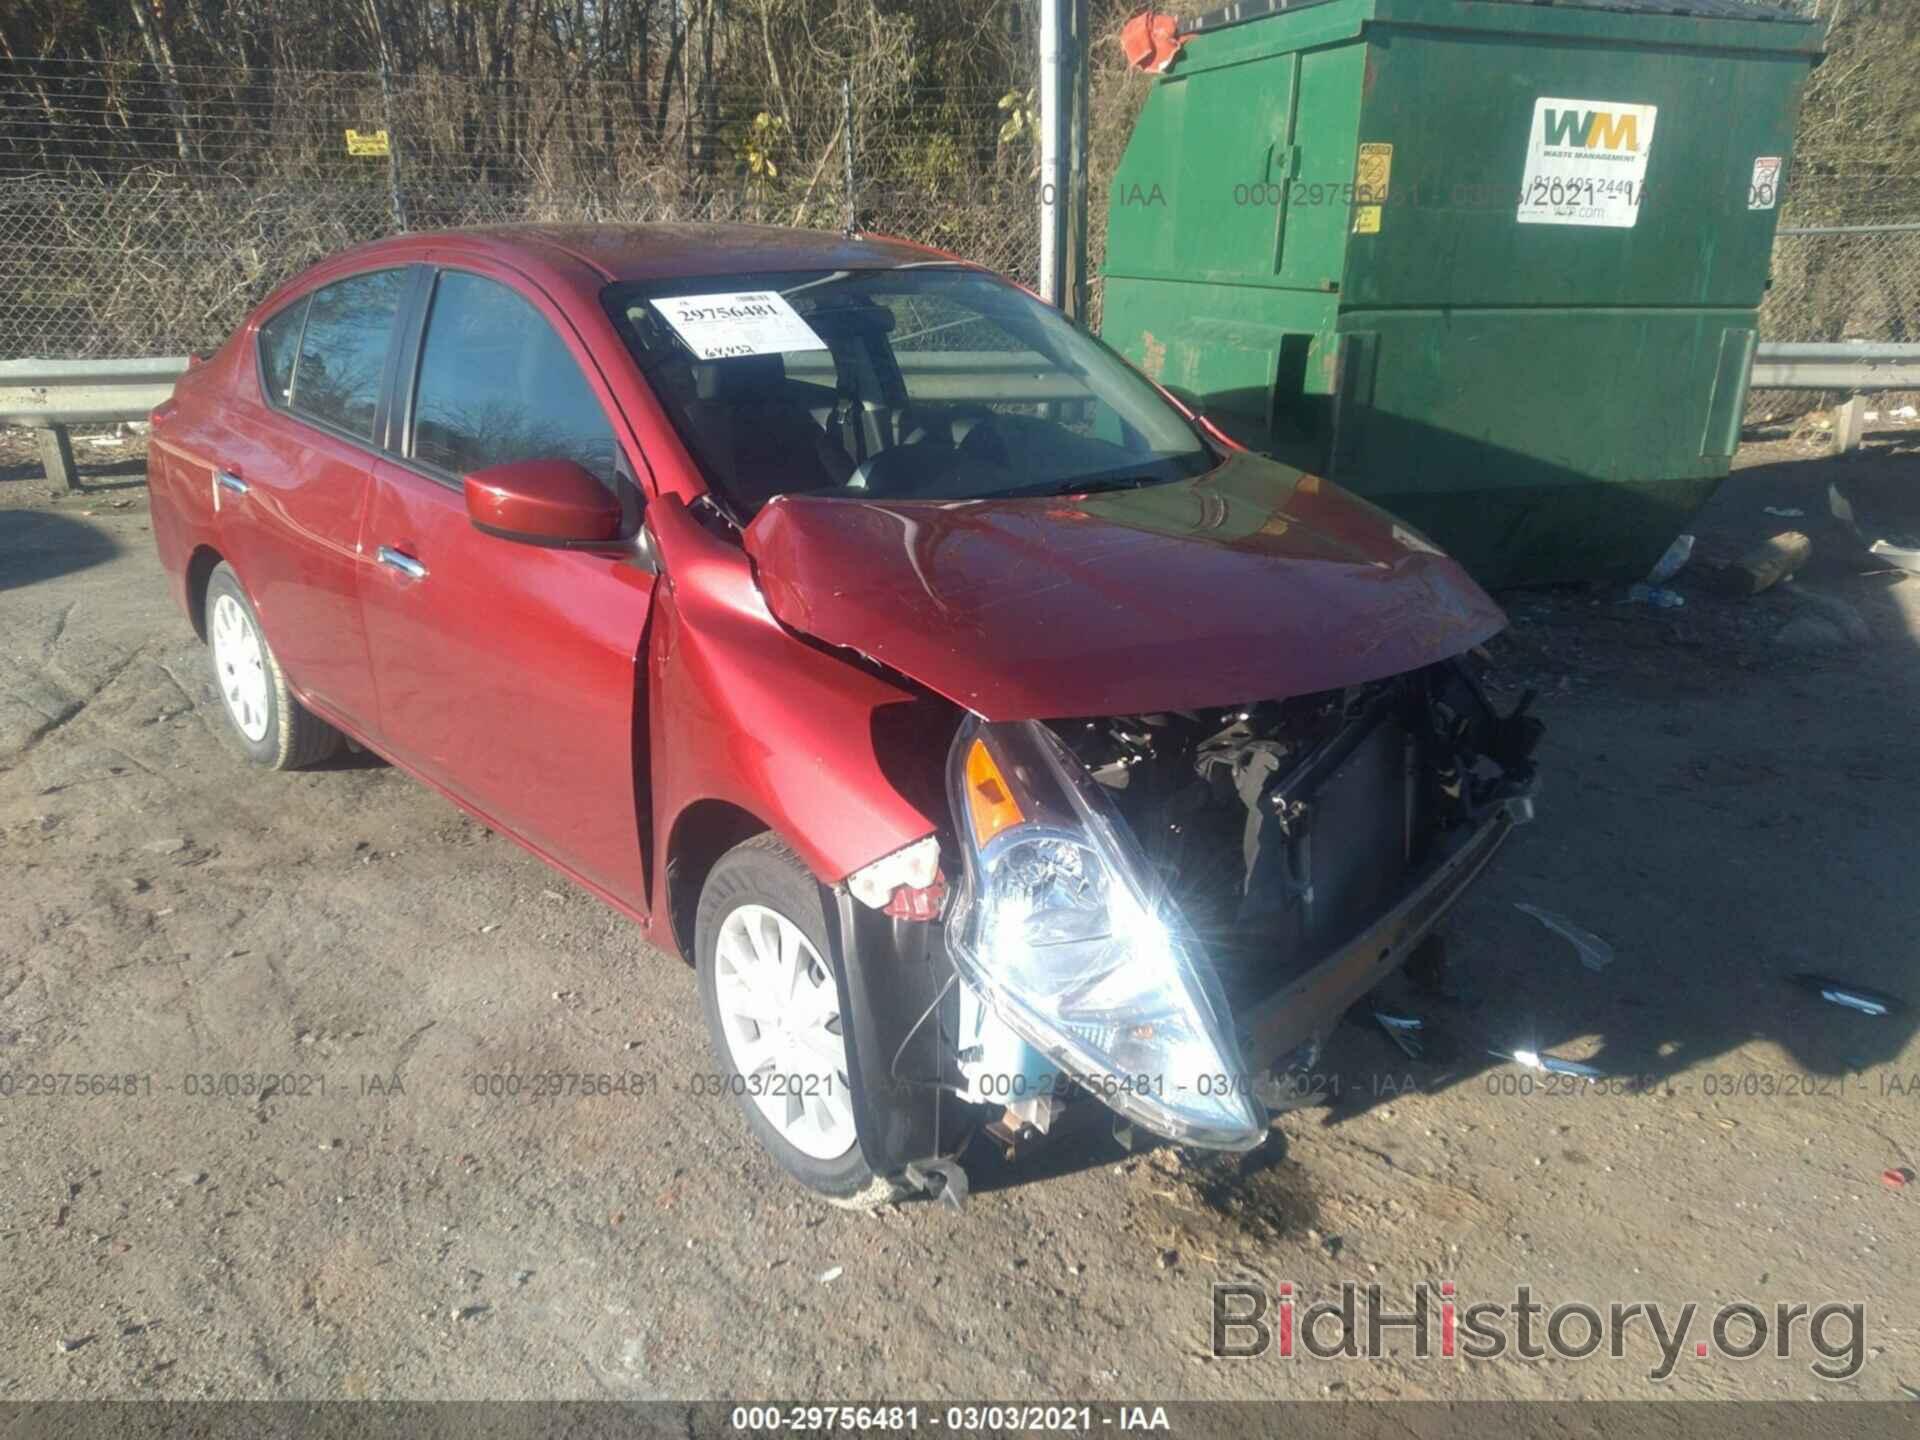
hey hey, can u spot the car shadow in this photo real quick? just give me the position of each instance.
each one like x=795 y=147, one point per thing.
x=1086 y=1136
x=40 y=545
x=350 y=758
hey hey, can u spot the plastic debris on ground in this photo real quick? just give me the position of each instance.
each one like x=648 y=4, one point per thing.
x=1653 y=590
x=1841 y=509
x=1785 y=512
x=1848 y=996
x=1673 y=562
x=1658 y=596
x=1595 y=953
x=1896 y=1178
x=1903 y=557
x=1551 y=1065
x=1403 y=1030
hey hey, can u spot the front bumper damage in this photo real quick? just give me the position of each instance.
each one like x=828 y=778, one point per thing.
x=933 y=1059
x=1298 y=1017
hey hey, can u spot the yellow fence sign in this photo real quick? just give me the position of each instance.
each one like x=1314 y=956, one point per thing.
x=366 y=142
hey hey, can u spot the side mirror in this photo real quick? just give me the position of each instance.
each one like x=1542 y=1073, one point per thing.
x=543 y=502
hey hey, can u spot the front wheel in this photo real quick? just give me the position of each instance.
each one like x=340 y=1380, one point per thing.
x=772 y=1002
x=273 y=728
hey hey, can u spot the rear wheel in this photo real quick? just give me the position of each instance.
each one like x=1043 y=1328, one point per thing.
x=272 y=727
x=772 y=1001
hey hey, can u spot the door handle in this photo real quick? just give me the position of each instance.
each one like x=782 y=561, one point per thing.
x=227 y=480
x=404 y=563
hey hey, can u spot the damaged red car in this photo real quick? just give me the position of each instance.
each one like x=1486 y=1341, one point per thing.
x=990 y=733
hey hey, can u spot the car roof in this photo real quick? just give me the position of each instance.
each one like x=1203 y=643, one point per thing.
x=594 y=255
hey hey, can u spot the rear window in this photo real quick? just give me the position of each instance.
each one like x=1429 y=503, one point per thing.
x=343 y=350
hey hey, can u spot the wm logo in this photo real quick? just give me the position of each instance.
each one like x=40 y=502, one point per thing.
x=1593 y=130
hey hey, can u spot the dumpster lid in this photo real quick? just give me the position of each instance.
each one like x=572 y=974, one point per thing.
x=1247 y=10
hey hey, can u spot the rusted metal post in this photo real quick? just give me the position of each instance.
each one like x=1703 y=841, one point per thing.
x=1849 y=424
x=56 y=456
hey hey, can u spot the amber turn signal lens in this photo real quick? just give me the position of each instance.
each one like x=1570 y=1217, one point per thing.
x=990 y=803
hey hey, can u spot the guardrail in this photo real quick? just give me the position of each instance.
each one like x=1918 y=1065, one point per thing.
x=1850 y=368
x=51 y=395
x=1837 y=367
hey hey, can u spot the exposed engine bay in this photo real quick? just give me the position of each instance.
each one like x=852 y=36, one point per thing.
x=1165 y=909
x=1280 y=828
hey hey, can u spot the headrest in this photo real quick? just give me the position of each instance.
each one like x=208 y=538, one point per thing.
x=851 y=318
x=743 y=377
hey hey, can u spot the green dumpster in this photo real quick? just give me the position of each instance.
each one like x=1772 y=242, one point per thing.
x=1493 y=265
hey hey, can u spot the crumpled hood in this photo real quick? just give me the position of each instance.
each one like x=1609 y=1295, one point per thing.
x=1253 y=582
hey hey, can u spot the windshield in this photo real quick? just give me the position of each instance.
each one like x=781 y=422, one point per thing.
x=934 y=383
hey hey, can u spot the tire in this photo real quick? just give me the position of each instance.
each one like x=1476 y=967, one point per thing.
x=271 y=727
x=779 y=1071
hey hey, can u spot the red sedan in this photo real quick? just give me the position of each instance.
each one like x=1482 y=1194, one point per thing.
x=988 y=730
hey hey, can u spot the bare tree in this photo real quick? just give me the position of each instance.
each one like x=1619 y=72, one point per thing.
x=153 y=35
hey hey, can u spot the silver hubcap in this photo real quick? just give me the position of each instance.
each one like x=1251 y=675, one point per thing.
x=240 y=662
x=780 y=1012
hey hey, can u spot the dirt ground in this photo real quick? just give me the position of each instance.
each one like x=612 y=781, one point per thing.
x=1726 y=802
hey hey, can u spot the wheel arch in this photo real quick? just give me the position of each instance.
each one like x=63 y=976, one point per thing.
x=702 y=832
x=199 y=573
x=892 y=975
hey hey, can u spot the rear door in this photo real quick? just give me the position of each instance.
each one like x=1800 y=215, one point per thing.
x=291 y=482
x=507 y=672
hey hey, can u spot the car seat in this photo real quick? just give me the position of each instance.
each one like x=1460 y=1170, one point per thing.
x=760 y=437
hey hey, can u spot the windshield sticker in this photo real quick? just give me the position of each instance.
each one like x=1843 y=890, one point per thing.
x=720 y=327
x=1586 y=163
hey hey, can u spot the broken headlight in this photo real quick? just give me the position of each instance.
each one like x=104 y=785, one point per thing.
x=1064 y=933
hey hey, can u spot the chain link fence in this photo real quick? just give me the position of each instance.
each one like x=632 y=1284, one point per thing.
x=151 y=265
x=1845 y=282
x=142 y=219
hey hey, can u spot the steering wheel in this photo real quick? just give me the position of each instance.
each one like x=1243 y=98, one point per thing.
x=983 y=441
x=920 y=462
x=901 y=470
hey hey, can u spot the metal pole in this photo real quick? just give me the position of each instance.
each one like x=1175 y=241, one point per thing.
x=846 y=131
x=396 y=196
x=1055 y=102
x=1080 y=237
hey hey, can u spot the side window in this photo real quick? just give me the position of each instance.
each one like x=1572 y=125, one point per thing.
x=278 y=337
x=496 y=384
x=343 y=351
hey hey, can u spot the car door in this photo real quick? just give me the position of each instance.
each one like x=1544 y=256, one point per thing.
x=291 y=478
x=507 y=672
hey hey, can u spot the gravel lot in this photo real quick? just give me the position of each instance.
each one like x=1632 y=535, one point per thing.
x=1722 y=807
